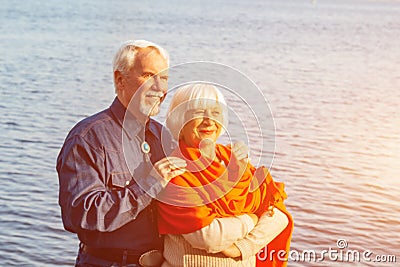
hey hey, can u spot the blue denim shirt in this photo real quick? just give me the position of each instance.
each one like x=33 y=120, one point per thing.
x=105 y=187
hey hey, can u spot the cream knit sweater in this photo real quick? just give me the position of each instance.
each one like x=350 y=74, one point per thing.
x=179 y=253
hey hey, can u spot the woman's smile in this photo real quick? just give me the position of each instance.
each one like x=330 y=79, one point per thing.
x=202 y=124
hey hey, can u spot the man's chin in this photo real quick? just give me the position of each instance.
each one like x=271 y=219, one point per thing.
x=154 y=112
x=150 y=111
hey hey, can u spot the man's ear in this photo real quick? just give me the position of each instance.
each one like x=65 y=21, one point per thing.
x=118 y=79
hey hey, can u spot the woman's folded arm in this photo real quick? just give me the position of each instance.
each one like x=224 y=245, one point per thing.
x=221 y=233
x=266 y=230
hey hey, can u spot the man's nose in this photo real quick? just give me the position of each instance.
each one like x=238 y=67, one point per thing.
x=159 y=84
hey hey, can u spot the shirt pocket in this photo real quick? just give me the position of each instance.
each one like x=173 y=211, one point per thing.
x=120 y=180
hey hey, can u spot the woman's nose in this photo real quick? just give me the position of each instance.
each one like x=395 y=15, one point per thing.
x=208 y=119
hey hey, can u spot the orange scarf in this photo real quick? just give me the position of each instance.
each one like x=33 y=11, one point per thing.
x=212 y=189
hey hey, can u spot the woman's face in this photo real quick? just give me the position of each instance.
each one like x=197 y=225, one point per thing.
x=202 y=124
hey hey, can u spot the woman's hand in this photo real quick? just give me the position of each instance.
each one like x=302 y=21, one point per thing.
x=232 y=252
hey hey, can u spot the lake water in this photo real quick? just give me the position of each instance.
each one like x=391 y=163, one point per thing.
x=329 y=69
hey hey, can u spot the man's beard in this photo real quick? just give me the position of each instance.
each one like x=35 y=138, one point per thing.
x=150 y=110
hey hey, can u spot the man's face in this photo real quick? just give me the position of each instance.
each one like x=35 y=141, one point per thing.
x=147 y=89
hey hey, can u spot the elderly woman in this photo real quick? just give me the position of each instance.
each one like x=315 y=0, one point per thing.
x=222 y=211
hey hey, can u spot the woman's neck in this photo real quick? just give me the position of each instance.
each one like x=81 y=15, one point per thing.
x=207 y=149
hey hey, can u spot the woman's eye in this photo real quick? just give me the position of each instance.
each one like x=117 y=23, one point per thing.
x=198 y=112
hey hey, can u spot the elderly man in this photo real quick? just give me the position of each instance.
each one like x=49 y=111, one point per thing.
x=105 y=195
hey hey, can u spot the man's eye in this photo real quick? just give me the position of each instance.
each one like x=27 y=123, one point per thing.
x=164 y=78
x=147 y=75
x=216 y=113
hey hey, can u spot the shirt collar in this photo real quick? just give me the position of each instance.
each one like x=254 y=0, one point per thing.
x=153 y=127
x=126 y=120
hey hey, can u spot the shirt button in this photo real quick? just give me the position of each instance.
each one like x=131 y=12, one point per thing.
x=127 y=182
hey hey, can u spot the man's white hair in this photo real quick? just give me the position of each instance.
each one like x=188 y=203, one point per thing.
x=194 y=96
x=124 y=59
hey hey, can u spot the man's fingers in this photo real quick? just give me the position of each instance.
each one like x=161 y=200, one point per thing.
x=170 y=167
x=179 y=163
x=171 y=163
x=239 y=146
x=175 y=173
x=241 y=157
x=173 y=160
x=240 y=151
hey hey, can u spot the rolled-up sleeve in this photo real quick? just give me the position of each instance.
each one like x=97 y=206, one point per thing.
x=85 y=199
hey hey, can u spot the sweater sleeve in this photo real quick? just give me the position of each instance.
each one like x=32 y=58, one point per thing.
x=221 y=233
x=267 y=228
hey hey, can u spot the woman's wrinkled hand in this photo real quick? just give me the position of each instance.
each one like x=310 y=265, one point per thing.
x=232 y=251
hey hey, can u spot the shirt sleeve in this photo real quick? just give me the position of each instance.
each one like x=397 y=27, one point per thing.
x=221 y=233
x=264 y=232
x=85 y=199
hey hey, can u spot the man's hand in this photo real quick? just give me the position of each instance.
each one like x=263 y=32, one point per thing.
x=239 y=160
x=169 y=167
x=239 y=150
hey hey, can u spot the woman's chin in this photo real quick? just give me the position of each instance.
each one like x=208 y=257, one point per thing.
x=206 y=142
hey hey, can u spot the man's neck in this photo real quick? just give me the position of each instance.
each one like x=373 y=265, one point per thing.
x=143 y=119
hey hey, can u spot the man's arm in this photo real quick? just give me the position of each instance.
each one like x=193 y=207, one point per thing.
x=87 y=199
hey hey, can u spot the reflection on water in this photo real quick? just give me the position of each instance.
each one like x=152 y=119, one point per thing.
x=330 y=71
